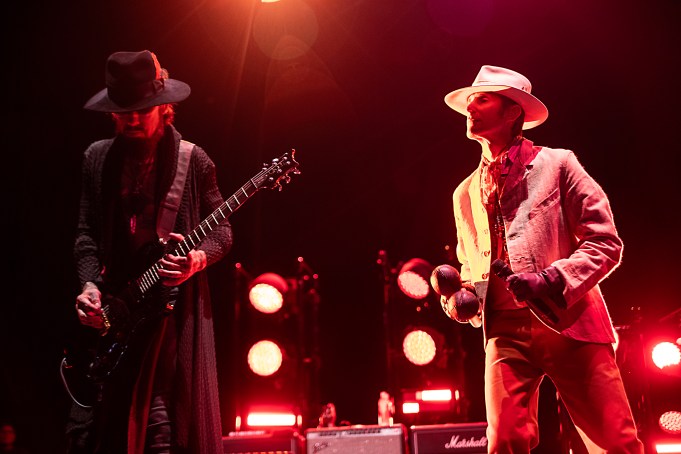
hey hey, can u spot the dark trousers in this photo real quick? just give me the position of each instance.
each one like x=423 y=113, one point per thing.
x=103 y=429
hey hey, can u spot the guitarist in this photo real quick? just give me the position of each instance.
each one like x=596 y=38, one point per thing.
x=164 y=396
x=537 y=210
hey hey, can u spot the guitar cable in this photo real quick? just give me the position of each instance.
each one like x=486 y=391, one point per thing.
x=66 y=385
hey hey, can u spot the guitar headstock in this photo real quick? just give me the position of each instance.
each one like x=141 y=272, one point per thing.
x=279 y=170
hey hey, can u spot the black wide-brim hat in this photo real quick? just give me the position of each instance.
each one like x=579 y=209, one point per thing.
x=135 y=81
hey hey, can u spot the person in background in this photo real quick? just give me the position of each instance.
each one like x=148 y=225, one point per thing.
x=8 y=438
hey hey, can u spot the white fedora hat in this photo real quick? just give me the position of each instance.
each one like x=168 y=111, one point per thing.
x=505 y=82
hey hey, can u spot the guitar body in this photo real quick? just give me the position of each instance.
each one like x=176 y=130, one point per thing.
x=131 y=314
x=131 y=321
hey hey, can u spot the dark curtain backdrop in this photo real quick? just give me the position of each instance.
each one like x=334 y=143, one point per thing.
x=356 y=87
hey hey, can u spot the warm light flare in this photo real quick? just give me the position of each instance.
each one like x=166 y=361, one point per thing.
x=666 y=354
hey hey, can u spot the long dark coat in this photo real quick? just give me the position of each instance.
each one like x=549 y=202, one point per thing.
x=195 y=398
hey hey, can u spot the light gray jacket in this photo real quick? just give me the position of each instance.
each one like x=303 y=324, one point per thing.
x=554 y=214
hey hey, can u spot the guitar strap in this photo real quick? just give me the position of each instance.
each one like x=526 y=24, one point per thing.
x=171 y=204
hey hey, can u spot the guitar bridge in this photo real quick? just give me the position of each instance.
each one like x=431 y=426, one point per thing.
x=107 y=324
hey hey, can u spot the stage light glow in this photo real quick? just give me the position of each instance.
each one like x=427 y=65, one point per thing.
x=434 y=395
x=414 y=278
x=670 y=422
x=419 y=347
x=410 y=408
x=666 y=354
x=271 y=419
x=265 y=358
x=267 y=293
x=674 y=448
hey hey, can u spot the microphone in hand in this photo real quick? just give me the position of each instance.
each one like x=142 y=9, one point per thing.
x=532 y=288
x=457 y=301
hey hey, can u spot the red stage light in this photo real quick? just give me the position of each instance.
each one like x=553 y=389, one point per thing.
x=410 y=408
x=414 y=277
x=265 y=358
x=670 y=422
x=434 y=395
x=271 y=419
x=419 y=347
x=666 y=354
x=428 y=400
x=671 y=448
x=267 y=292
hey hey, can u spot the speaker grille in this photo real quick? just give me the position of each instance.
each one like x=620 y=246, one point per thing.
x=361 y=440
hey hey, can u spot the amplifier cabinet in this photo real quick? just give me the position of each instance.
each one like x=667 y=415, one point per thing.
x=357 y=440
x=469 y=438
x=281 y=441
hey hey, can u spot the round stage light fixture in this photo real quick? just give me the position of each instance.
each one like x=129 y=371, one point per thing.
x=265 y=358
x=414 y=277
x=267 y=292
x=666 y=354
x=419 y=347
x=670 y=422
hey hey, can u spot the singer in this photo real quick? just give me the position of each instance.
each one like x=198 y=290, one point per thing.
x=537 y=210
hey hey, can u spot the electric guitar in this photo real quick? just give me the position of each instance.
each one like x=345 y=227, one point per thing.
x=126 y=313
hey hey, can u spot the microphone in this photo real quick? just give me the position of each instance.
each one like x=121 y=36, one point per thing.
x=446 y=281
x=503 y=271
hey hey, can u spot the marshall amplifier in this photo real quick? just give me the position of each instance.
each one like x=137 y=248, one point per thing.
x=357 y=440
x=467 y=438
x=284 y=441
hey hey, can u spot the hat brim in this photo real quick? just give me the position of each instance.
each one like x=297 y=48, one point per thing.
x=536 y=112
x=173 y=91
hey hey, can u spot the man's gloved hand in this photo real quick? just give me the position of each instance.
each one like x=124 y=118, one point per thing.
x=526 y=286
x=545 y=284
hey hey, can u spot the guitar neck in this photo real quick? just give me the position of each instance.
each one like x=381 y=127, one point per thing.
x=150 y=277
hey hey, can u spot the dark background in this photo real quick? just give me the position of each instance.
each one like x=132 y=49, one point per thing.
x=356 y=87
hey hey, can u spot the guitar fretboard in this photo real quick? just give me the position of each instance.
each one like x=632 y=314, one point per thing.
x=150 y=277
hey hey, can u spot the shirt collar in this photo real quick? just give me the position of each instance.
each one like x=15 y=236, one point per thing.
x=512 y=153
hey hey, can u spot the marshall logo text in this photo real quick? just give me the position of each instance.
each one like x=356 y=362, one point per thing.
x=458 y=443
